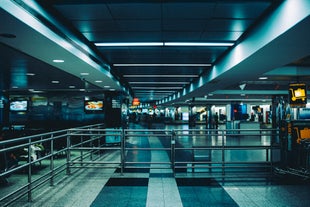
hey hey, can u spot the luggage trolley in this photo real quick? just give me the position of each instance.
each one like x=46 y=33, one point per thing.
x=302 y=134
x=295 y=149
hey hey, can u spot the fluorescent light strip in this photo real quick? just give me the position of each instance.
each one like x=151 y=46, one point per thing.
x=157 y=95
x=147 y=91
x=58 y=61
x=159 y=65
x=128 y=44
x=151 y=94
x=152 y=97
x=138 y=44
x=158 y=83
x=154 y=94
x=200 y=44
x=160 y=76
x=154 y=88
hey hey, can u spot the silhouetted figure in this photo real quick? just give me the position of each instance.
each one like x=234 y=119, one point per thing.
x=216 y=120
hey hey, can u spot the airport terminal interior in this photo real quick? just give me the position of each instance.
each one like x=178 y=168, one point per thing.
x=154 y=103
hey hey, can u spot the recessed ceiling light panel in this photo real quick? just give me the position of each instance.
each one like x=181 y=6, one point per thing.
x=200 y=44
x=58 y=61
x=128 y=44
x=161 y=76
x=161 y=65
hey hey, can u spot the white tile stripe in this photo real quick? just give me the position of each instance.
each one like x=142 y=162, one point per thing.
x=162 y=191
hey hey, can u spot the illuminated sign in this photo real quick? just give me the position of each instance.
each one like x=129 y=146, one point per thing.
x=297 y=95
x=135 y=102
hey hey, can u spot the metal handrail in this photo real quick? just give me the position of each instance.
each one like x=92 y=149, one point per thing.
x=87 y=141
x=26 y=142
x=223 y=135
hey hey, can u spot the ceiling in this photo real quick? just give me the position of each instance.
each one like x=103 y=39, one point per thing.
x=268 y=38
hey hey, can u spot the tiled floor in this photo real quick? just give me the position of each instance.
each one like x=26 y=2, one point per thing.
x=94 y=187
x=99 y=187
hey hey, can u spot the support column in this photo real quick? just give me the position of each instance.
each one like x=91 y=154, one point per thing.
x=4 y=109
x=208 y=120
x=192 y=116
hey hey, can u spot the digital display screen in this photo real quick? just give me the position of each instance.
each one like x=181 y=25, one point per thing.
x=93 y=105
x=21 y=105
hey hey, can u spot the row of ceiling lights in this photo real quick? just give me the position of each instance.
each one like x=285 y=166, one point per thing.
x=57 y=81
x=161 y=44
x=82 y=74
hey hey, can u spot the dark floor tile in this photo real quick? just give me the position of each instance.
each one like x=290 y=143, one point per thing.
x=127 y=182
x=196 y=182
x=121 y=196
x=203 y=192
x=161 y=175
x=133 y=170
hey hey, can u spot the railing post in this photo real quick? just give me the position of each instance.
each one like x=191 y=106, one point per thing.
x=271 y=151
x=122 y=150
x=29 y=172
x=91 y=143
x=52 y=161
x=267 y=154
x=81 y=151
x=223 y=156
x=68 y=152
x=173 y=138
x=98 y=142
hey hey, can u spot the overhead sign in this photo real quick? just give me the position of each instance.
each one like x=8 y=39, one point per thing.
x=297 y=95
x=135 y=102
